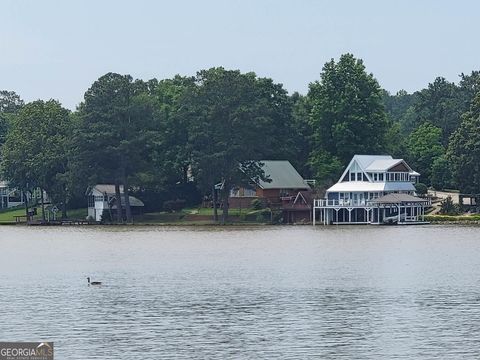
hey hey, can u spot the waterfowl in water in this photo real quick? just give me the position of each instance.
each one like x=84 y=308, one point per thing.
x=93 y=282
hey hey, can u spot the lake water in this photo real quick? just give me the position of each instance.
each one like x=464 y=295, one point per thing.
x=408 y=292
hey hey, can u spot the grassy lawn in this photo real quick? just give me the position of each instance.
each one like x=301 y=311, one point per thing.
x=209 y=211
x=169 y=218
x=9 y=215
x=79 y=214
x=191 y=216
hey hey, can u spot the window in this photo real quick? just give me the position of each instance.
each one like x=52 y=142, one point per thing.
x=249 y=192
x=352 y=176
x=359 y=176
x=380 y=177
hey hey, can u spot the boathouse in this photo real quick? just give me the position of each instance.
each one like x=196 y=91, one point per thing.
x=373 y=189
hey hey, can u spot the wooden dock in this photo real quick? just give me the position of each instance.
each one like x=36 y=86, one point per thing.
x=64 y=222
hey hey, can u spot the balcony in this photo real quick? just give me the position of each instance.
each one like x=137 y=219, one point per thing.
x=341 y=202
x=355 y=203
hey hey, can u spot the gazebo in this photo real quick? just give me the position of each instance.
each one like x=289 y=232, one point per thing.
x=399 y=209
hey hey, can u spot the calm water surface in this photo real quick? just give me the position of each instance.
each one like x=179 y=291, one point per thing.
x=277 y=292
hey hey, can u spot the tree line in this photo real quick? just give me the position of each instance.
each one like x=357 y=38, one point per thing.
x=181 y=138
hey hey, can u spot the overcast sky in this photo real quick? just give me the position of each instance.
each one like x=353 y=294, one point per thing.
x=56 y=49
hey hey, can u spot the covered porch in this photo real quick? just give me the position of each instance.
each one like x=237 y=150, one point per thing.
x=395 y=208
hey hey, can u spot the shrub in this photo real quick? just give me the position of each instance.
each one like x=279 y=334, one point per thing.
x=257 y=204
x=173 y=205
x=106 y=217
x=421 y=189
x=447 y=207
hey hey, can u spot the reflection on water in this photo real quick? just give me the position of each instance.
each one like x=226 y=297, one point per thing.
x=280 y=292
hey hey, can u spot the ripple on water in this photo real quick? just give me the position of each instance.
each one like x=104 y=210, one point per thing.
x=344 y=293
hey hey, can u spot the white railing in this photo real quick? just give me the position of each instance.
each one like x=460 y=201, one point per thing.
x=341 y=202
x=352 y=202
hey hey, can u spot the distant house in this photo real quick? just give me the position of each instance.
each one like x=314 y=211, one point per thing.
x=10 y=197
x=373 y=189
x=102 y=198
x=284 y=181
x=281 y=192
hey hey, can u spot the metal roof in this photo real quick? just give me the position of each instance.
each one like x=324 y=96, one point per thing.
x=282 y=175
x=399 y=186
x=398 y=199
x=375 y=163
x=134 y=202
x=365 y=160
x=363 y=186
x=383 y=164
x=107 y=188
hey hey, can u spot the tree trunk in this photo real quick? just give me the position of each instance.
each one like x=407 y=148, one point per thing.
x=214 y=199
x=43 y=204
x=64 y=206
x=27 y=214
x=128 y=209
x=225 y=204
x=118 y=201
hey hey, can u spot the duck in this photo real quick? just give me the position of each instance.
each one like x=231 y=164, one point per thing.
x=93 y=282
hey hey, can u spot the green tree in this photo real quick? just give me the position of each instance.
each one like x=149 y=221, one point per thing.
x=469 y=87
x=348 y=116
x=36 y=150
x=111 y=139
x=424 y=146
x=168 y=176
x=10 y=104
x=447 y=207
x=301 y=134
x=440 y=104
x=237 y=119
x=464 y=151
x=441 y=177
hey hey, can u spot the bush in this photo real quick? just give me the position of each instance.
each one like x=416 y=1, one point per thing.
x=106 y=217
x=421 y=189
x=174 y=205
x=264 y=215
x=257 y=204
x=447 y=207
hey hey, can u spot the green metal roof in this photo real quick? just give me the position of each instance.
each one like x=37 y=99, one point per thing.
x=282 y=174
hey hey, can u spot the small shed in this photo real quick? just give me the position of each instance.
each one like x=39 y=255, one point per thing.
x=102 y=198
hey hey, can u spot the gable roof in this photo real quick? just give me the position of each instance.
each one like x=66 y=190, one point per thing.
x=304 y=196
x=282 y=175
x=134 y=202
x=108 y=189
x=366 y=160
x=376 y=163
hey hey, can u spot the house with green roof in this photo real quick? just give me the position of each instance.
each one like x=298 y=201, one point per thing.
x=281 y=191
